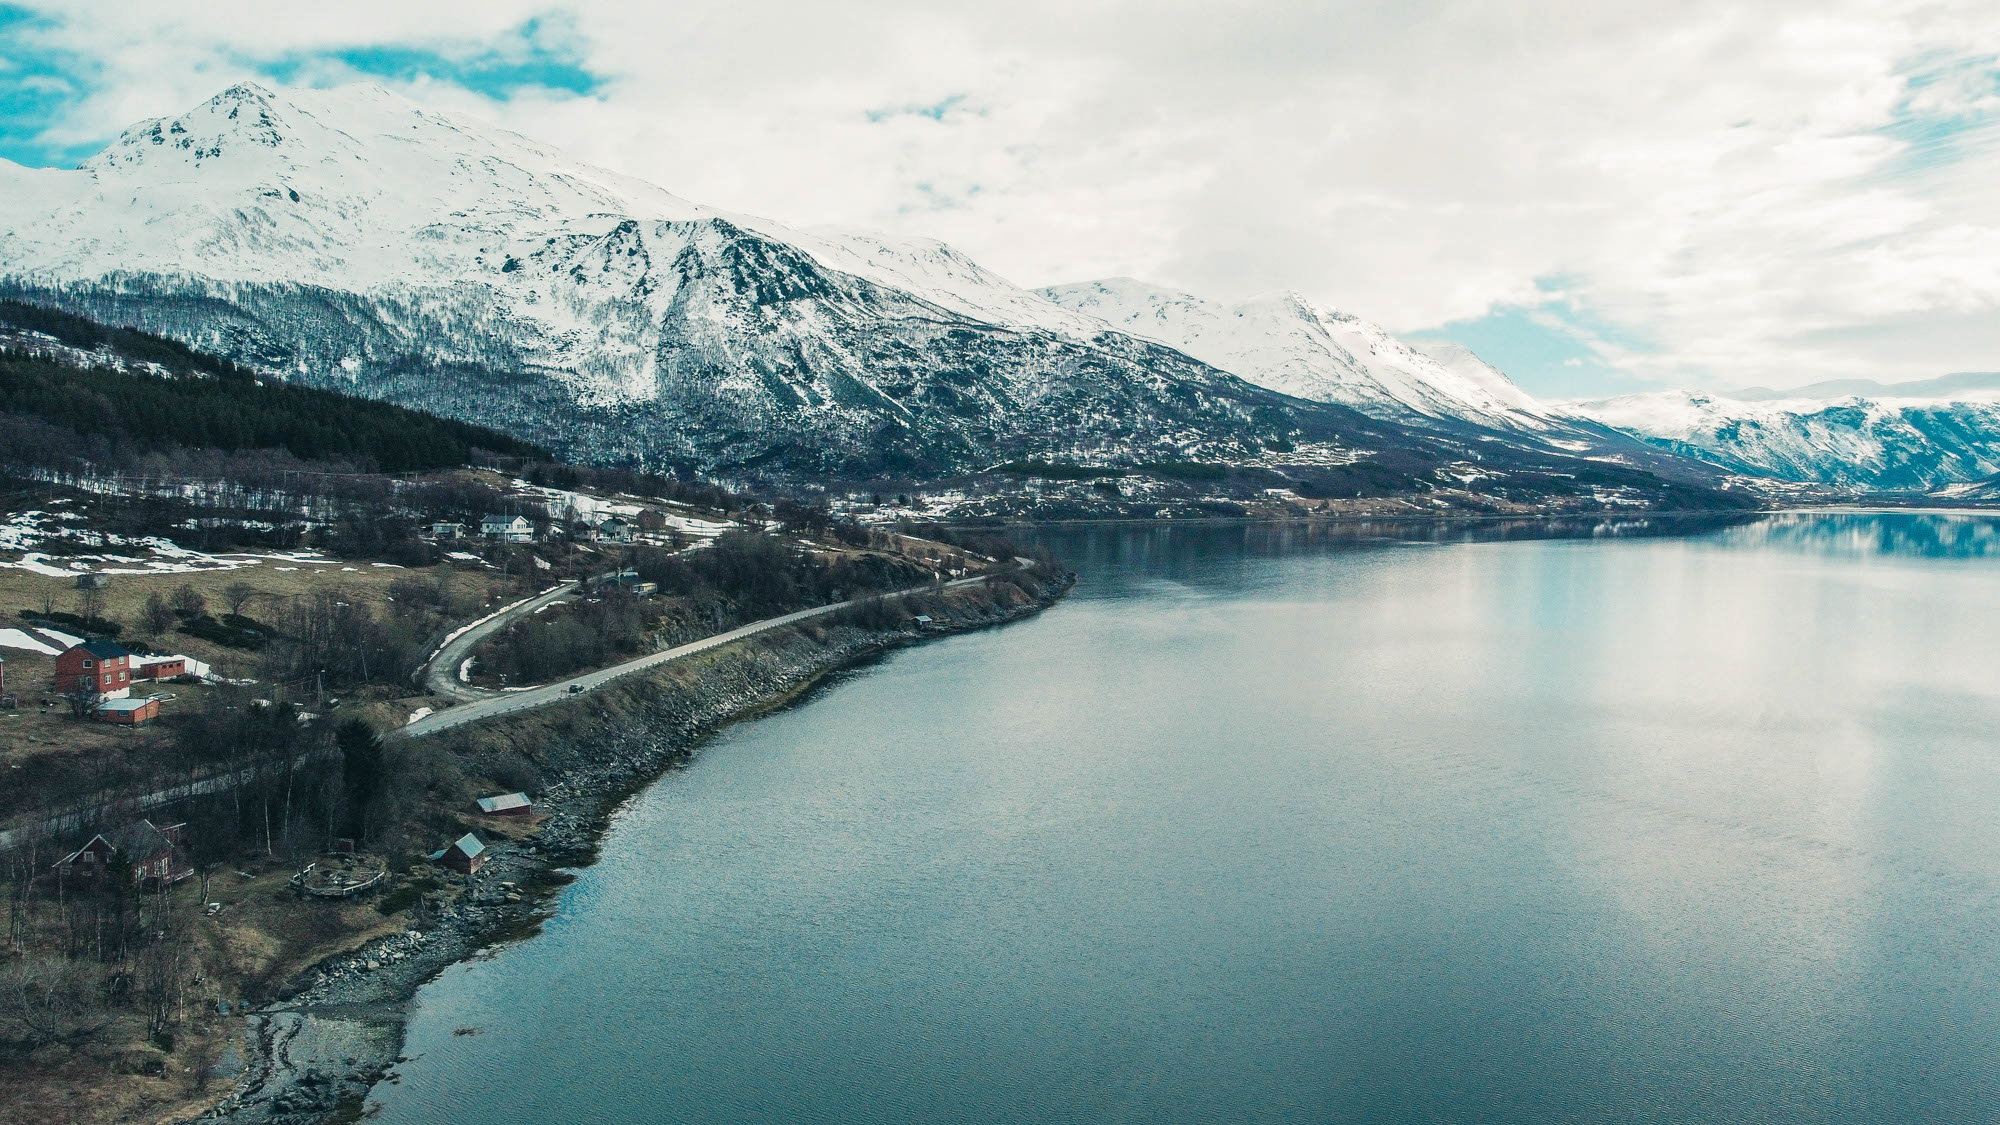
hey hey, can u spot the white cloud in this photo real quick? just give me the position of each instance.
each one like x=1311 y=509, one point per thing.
x=1735 y=194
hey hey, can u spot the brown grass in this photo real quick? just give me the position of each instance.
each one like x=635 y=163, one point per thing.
x=125 y=595
x=263 y=935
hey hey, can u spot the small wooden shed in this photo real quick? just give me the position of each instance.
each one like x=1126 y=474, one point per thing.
x=506 y=804
x=464 y=855
x=128 y=712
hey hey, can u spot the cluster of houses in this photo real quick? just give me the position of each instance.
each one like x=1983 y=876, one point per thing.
x=150 y=855
x=503 y=527
x=106 y=670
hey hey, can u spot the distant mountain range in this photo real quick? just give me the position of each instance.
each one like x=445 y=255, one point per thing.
x=351 y=239
x=1960 y=386
x=1865 y=444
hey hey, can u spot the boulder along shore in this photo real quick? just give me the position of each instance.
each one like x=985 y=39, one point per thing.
x=313 y=1056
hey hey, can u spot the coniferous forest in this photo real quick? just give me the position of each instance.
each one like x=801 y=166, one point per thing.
x=209 y=403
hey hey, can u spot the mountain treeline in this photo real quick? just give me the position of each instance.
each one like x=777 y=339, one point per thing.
x=210 y=403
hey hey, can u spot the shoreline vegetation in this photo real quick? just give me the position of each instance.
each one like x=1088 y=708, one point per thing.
x=338 y=1025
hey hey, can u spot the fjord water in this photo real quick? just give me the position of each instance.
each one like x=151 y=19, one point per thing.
x=1279 y=824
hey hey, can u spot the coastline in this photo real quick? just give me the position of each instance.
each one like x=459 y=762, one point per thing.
x=313 y=1055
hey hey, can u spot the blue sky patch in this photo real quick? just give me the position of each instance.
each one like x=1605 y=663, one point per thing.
x=528 y=59
x=935 y=111
x=39 y=85
x=35 y=84
x=1546 y=348
x=1933 y=136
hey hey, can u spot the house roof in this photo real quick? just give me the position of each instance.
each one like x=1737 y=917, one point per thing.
x=501 y=802
x=103 y=650
x=125 y=704
x=143 y=839
x=502 y=519
x=467 y=845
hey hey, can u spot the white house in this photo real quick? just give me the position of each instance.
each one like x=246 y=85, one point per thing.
x=507 y=529
x=447 y=530
x=613 y=530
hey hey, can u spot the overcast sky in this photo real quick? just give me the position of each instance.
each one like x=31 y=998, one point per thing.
x=1595 y=199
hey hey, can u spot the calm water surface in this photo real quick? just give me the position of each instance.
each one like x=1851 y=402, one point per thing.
x=1277 y=825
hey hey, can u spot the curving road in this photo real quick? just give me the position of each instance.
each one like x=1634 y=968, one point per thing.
x=440 y=673
x=483 y=704
x=488 y=704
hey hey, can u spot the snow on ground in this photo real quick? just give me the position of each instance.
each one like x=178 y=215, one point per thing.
x=417 y=714
x=465 y=670
x=15 y=638
x=67 y=640
x=463 y=556
x=26 y=530
x=705 y=529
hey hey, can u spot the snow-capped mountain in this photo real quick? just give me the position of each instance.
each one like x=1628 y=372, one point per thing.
x=350 y=238
x=1289 y=343
x=1885 y=443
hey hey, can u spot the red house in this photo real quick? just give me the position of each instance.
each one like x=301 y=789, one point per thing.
x=153 y=855
x=98 y=666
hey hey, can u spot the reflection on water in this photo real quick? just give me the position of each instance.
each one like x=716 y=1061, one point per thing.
x=1651 y=821
x=1930 y=535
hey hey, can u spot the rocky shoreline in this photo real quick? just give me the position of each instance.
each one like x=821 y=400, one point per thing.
x=313 y=1056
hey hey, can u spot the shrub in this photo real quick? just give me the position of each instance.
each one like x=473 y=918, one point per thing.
x=400 y=899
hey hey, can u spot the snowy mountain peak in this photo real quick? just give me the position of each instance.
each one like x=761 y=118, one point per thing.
x=353 y=238
x=1288 y=342
x=1848 y=441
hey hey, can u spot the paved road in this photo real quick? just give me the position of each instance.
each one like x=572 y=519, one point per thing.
x=440 y=674
x=527 y=699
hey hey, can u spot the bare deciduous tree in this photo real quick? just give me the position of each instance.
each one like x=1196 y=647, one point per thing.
x=188 y=602
x=50 y=1000
x=90 y=602
x=82 y=697
x=158 y=616
x=238 y=595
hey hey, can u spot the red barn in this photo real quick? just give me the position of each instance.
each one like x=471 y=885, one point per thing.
x=153 y=854
x=465 y=855
x=98 y=666
x=161 y=667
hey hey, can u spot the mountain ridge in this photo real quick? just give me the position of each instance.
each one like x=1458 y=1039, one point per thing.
x=351 y=239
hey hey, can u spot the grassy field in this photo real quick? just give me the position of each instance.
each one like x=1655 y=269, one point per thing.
x=49 y=757
x=275 y=582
